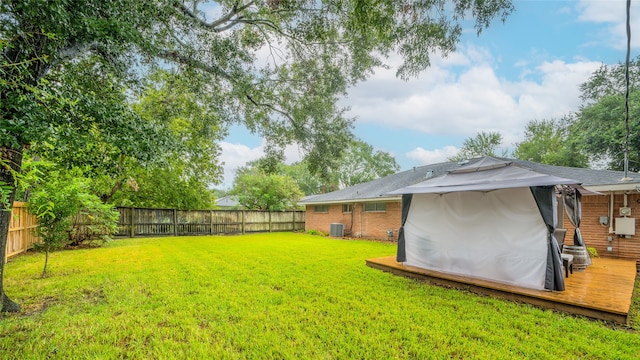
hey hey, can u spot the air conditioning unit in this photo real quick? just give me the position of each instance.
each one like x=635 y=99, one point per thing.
x=336 y=230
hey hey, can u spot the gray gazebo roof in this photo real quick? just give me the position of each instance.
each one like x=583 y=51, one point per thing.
x=487 y=174
x=379 y=189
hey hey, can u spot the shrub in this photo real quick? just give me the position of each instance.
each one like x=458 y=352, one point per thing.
x=317 y=232
x=69 y=214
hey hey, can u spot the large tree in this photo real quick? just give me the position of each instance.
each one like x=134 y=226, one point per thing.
x=182 y=175
x=550 y=142
x=359 y=163
x=483 y=144
x=600 y=123
x=315 y=49
x=257 y=190
x=99 y=135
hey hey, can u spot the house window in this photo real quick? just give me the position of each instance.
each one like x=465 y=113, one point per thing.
x=371 y=207
x=346 y=208
x=321 y=208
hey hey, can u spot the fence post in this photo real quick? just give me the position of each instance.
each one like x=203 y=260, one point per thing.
x=242 y=221
x=293 y=220
x=175 y=223
x=269 y=220
x=24 y=221
x=211 y=222
x=132 y=231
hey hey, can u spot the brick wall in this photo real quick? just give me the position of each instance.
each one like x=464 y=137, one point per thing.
x=595 y=235
x=368 y=225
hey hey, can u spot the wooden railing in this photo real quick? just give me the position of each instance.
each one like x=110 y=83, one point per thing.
x=21 y=235
x=158 y=222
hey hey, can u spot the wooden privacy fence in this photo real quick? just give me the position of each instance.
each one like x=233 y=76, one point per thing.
x=157 y=222
x=21 y=235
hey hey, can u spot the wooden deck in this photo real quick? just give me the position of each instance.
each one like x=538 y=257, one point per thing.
x=603 y=291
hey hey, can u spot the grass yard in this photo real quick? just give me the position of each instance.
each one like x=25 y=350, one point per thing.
x=271 y=296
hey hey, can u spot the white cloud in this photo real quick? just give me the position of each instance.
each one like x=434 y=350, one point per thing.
x=613 y=14
x=601 y=11
x=425 y=157
x=464 y=100
x=235 y=156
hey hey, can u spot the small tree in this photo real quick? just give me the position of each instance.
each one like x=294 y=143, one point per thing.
x=59 y=204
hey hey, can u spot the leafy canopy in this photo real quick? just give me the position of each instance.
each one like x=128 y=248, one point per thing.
x=550 y=142
x=315 y=51
x=600 y=122
x=256 y=190
x=483 y=144
x=358 y=163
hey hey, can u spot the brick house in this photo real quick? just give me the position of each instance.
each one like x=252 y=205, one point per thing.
x=367 y=211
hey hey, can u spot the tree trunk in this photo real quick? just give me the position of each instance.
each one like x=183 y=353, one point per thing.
x=105 y=198
x=46 y=261
x=11 y=162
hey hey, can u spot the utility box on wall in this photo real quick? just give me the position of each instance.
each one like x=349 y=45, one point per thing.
x=625 y=226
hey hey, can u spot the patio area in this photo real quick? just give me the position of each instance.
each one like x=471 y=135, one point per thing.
x=602 y=292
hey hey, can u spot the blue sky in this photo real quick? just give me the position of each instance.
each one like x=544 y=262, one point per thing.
x=527 y=68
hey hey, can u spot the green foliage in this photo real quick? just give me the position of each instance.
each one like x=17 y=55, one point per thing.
x=358 y=163
x=165 y=188
x=161 y=154
x=634 y=310
x=274 y=296
x=316 y=232
x=256 y=190
x=194 y=123
x=5 y=192
x=600 y=128
x=68 y=214
x=550 y=142
x=308 y=183
x=184 y=172
x=610 y=80
x=99 y=135
x=483 y=144
x=318 y=49
x=600 y=122
x=361 y=163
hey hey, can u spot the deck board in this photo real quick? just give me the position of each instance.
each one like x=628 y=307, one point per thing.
x=602 y=292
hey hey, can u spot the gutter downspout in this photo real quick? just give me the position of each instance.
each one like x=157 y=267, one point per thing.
x=611 y=212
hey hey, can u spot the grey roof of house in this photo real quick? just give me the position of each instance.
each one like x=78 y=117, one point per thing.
x=227 y=201
x=379 y=188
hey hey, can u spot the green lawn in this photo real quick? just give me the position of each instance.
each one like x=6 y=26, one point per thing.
x=278 y=296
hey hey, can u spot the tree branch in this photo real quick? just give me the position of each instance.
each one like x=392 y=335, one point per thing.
x=274 y=108
x=74 y=49
x=214 y=25
x=182 y=59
